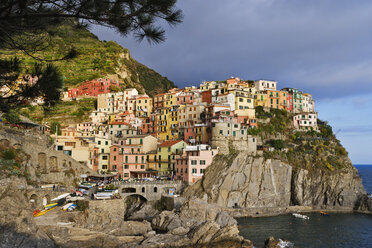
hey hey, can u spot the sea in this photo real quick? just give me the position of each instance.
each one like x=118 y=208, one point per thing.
x=336 y=230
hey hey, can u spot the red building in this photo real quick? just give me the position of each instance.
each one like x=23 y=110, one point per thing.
x=207 y=96
x=93 y=88
x=116 y=160
x=149 y=125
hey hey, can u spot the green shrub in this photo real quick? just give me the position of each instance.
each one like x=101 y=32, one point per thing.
x=277 y=144
x=8 y=154
x=12 y=117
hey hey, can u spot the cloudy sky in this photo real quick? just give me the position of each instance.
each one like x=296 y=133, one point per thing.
x=323 y=47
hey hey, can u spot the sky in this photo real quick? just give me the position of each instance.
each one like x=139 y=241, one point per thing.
x=323 y=47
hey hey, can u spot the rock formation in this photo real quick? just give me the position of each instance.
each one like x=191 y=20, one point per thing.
x=253 y=182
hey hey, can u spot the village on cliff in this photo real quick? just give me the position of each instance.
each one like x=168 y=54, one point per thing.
x=174 y=135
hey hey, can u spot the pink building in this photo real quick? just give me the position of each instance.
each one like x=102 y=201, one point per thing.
x=193 y=162
x=116 y=160
x=184 y=98
x=129 y=156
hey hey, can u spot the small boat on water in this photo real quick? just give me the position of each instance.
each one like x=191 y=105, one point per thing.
x=324 y=213
x=301 y=216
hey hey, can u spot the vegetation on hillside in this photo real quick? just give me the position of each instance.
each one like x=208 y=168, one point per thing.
x=63 y=112
x=11 y=161
x=94 y=59
x=301 y=149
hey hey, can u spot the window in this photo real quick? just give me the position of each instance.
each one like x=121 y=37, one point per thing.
x=99 y=142
x=202 y=162
x=106 y=143
x=114 y=158
x=194 y=162
x=221 y=131
x=102 y=150
x=104 y=166
x=142 y=166
x=126 y=159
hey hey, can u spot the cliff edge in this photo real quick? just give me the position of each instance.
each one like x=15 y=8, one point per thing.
x=306 y=169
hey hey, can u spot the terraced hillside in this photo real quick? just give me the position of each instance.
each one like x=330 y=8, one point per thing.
x=95 y=59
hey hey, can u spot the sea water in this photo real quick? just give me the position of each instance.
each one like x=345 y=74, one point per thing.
x=336 y=230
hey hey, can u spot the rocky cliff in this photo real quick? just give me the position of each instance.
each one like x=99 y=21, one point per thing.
x=307 y=169
x=102 y=224
x=256 y=182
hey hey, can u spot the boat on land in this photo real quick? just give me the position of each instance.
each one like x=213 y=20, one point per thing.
x=69 y=206
x=51 y=205
x=44 y=211
x=60 y=197
x=301 y=216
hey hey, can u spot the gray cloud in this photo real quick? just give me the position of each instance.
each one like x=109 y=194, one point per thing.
x=320 y=46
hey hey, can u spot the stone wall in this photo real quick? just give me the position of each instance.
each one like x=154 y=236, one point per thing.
x=46 y=165
x=248 y=145
x=151 y=191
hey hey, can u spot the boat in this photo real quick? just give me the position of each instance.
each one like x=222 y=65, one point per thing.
x=301 y=216
x=61 y=197
x=65 y=207
x=72 y=207
x=50 y=205
x=44 y=211
x=324 y=213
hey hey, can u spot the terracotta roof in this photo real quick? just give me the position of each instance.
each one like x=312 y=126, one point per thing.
x=169 y=143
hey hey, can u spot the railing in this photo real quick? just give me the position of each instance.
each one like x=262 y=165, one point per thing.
x=149 y=182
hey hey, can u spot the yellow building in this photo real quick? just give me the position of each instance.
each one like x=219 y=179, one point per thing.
x=143 y=106
x=168 y=123
x=103 y=146
x=111 y=118
x=166 y=156
x=260 y=99
x=170 y=100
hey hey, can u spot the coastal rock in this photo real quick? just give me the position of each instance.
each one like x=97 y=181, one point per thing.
x=277 y=243
x=166 y=221
x=132 y=228
x=253 y=182
x=326 y=190
x=246 y=182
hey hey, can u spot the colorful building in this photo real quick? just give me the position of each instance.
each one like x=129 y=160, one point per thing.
x=191 y=166
x=167 y=154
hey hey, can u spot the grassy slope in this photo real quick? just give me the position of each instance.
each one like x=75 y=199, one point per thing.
x=95 y=59
x=64 y=112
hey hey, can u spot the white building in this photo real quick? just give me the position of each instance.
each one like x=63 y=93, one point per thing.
x=308 y=103
x=226 y=99
x=265 y=85
x=306 y=121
